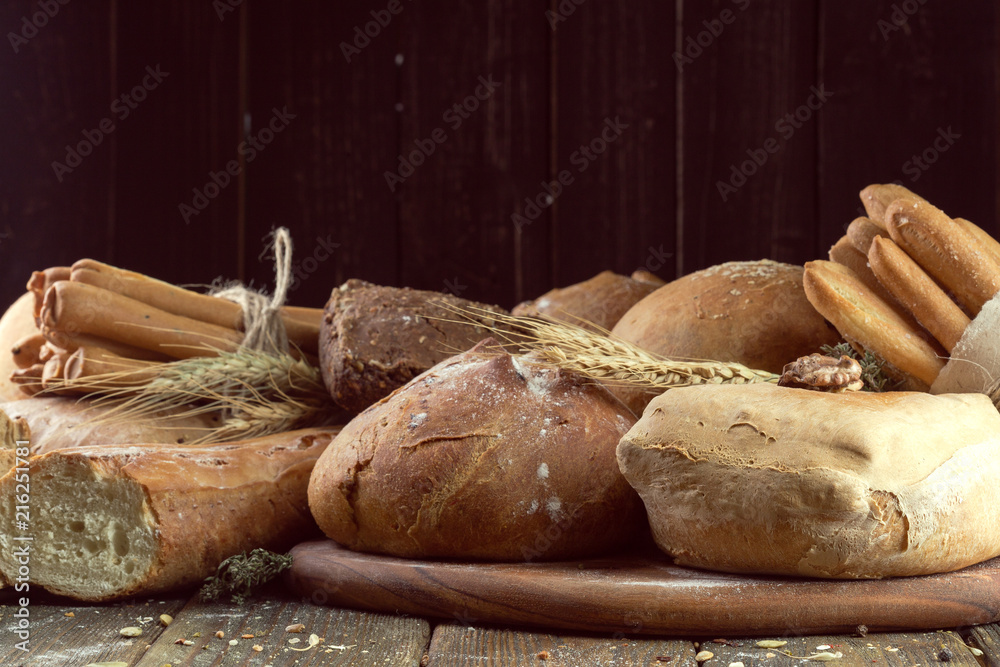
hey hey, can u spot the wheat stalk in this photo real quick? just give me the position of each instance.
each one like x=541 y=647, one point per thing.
x=258 y=393
x=610 y=359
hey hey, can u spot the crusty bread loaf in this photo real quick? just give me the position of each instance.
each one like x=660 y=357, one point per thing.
x=766 y=479
x=595 y=304
x=17 y=323
x=57 y=422
x=110 y=522
x=374 y=339
x=754 y=313
x=485 y=456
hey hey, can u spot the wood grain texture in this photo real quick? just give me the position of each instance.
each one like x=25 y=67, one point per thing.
x=477 y=76
x=180 y=126
x=615 y=121
x=463 y=644
x=877 y=648
x=56 y=86
x=322 y=176
x=348 y=638
x=644 y=595
x=987 y=639
x=909 y=106
x=749 y=112
x=90 y=635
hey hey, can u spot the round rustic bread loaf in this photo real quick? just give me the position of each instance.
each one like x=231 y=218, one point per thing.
x=767 y=479
x=485 y=456
x=753 y=313
x=596 y=304
x=17 y=322
x=373 y=339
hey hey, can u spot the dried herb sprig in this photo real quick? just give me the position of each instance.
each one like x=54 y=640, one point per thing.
x=872 y=374
x=239 y=575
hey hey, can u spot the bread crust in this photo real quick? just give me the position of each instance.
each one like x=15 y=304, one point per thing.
x=485 y=456
x=766 y=479
x=18 y=322
x=861 y=316
x=374 y=339
x=595 y=304
x=753 y=313
x=202 y=504
x=876 y=198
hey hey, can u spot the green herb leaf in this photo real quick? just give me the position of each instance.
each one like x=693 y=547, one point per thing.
x=871 y=367
x=240 y=574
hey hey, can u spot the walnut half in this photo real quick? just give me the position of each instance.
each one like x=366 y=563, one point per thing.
x=821 y=373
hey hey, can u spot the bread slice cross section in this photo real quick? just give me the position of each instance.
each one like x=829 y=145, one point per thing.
x=107 y=522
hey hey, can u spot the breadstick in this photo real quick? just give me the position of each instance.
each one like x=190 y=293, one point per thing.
x=860 y=315
x=862 y=231
x=302 y=327
x=40 y=282
x=845 y=254
x=945 y=251
x=91 y=310
x=877 y=198
x=918 y=292
x=986 y=242
x=29 y=379
x=86 y=366
x=27 y=349
x=70 y=341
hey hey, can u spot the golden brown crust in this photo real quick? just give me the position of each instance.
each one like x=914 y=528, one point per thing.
x=484 y=456
x=862 y=231
x=17 y=323
x=986 y=242
x=789 y=481
x=754 y=313
x=595 y=304
x=876 y=199
x=859 y=314
x=945 y=251
x=917 y=291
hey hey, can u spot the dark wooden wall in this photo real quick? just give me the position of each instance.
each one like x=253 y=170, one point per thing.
x=896 y=79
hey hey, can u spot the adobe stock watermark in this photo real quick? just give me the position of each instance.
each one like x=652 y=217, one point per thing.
x=918 y=164
x=37 y=21
x=454 y=117
x=898 y=17
x=304 y=267
x=695 y=45
x=121 y=108
x=656 y=259
x=22 y=553
x=224 y=7
x=581 y=158
x=563 y=11
x=218 y=180
x=372 y=29
x=786 y=126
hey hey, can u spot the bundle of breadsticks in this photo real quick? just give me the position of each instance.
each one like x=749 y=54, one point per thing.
x=905 y=283
x=96 y=320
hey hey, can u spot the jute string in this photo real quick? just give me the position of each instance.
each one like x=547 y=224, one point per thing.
x=262 y=325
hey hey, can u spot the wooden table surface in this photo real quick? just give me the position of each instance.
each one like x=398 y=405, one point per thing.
x=64 y=633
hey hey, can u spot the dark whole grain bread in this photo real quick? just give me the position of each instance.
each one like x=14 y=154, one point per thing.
x=485 y=456
x=595 y=304
x=374 y=339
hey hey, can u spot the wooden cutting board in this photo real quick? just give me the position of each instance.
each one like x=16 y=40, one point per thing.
x=640 y=595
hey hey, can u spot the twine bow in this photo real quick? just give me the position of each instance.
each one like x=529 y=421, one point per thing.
x=262 y=325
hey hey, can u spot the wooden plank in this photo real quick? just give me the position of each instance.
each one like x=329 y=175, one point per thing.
x=91 y=634
x=56 y=87
x=322 y=176
x=750 y=97
x=462 y=644
x=178 y=68
x=987 y=639
x=474 y=83
x=348 y=637
x=612 y=62
x=915 y=102
x=643 y=594
x=903 y=650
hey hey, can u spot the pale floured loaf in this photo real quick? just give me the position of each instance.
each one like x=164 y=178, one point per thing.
x=766 y=479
